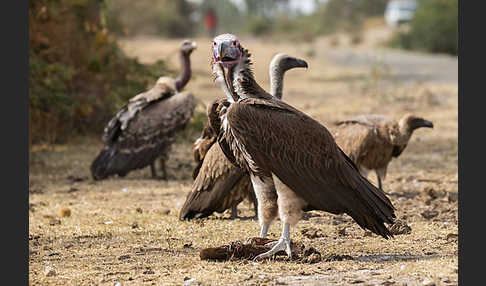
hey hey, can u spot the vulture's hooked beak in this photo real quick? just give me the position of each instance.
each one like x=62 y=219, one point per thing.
x=425 y=123
x=300 y=63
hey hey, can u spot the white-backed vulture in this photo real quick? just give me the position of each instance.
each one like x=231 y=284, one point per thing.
x=219 y=185
x=294 y=163
x=371 y=141
x=145 y=128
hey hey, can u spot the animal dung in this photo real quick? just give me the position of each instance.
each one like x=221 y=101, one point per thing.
x=254 y=246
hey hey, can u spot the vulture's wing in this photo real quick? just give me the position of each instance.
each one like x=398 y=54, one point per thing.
x=302 y=153
x=371 y=120
x=148 y=136
x=355 y=139
x=218 y=185
x=201 y=147
x=122 y=118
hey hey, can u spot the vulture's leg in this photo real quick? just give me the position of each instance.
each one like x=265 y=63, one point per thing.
x=290 y=211
x=234 y=211
x=152 y=169
x=255 y=207
x=282 y=244
x=380 y=174
x=267 y=202
x=163 y=168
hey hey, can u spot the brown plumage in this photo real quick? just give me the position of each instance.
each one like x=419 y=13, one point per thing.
x=371 y=141
x=220 y=185
x=293 y=160
x=145 y=128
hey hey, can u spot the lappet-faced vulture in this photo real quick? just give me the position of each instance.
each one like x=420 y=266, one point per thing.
x=145 y=128
x=219 y=185
x=293 y=160
x=371 y=141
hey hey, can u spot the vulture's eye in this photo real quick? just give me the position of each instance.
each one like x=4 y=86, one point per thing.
x=234 y=43
x=214 y=43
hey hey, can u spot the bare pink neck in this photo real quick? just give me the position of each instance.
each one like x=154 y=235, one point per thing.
x=185 y=74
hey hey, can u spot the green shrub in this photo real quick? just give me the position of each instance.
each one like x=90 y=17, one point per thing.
x=434 y=28
x=78 y=76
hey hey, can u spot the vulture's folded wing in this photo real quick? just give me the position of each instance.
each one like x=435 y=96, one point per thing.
x=218 y=185
x=302 y=153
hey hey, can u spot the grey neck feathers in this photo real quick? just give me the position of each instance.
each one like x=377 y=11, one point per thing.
x=185 y=74
x=276 y=81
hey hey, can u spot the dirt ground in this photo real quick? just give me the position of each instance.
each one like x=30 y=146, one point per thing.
x=126 y=230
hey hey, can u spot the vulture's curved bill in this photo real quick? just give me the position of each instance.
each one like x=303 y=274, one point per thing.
x=145 y=128
x=371 y=141
x=293 y=160
x=219 y=185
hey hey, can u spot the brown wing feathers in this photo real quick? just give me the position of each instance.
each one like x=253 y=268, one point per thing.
x=321 y=174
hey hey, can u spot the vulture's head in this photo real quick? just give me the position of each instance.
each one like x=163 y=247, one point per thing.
x=187 y=47
x=284 y=62
x=411 y=122
x=226 y=50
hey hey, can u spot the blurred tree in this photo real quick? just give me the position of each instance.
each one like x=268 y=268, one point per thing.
x=434 y=28
x=78 y=76
x=168 y=18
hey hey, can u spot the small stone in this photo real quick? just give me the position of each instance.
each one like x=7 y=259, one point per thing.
x=400 y=227
x=342 y=231
x=452 y=237
x=65 y=212
x=445 y=280
x=402 y=267
x=428 y=282
x=189 y=281
x=429 y=214
x=139 y=210
x=118 y=284
x=452 y=197
x=49 y=271
x=123 y=257
x=134 y=224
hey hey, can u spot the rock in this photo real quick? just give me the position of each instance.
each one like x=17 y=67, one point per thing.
x=435 y=194
x=139 y=210
x=118 y=284
x=428 y=282
x=312 y=233
x=189 y=281
x=429 y=214
x=123 y=257
x=400 y=227
x=65 y=212
x=452 y=197
x=134 y=224
x=342 y=231
x=49 y=271
x=452 y=237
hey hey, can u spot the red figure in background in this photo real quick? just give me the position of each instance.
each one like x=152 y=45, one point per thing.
x=210 y=22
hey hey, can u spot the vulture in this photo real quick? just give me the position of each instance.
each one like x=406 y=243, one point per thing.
x=145 y=128
x=371 y=141
x=218 y=184
x=293 y=161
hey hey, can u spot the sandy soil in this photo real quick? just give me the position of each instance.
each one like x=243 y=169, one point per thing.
x=126 y=230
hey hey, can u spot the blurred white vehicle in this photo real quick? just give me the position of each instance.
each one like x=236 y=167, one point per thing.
x=399 y=11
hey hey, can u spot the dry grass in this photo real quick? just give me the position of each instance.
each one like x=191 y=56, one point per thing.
x=127 y=229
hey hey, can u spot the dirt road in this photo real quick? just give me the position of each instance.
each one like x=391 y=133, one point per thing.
x=126 y=229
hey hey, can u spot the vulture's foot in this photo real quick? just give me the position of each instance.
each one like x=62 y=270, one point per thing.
x=234 y=212
x=282 y=244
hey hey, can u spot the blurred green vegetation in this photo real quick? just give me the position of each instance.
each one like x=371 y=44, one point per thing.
x=78 y=76
x=166 y=18
x=434 y=28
